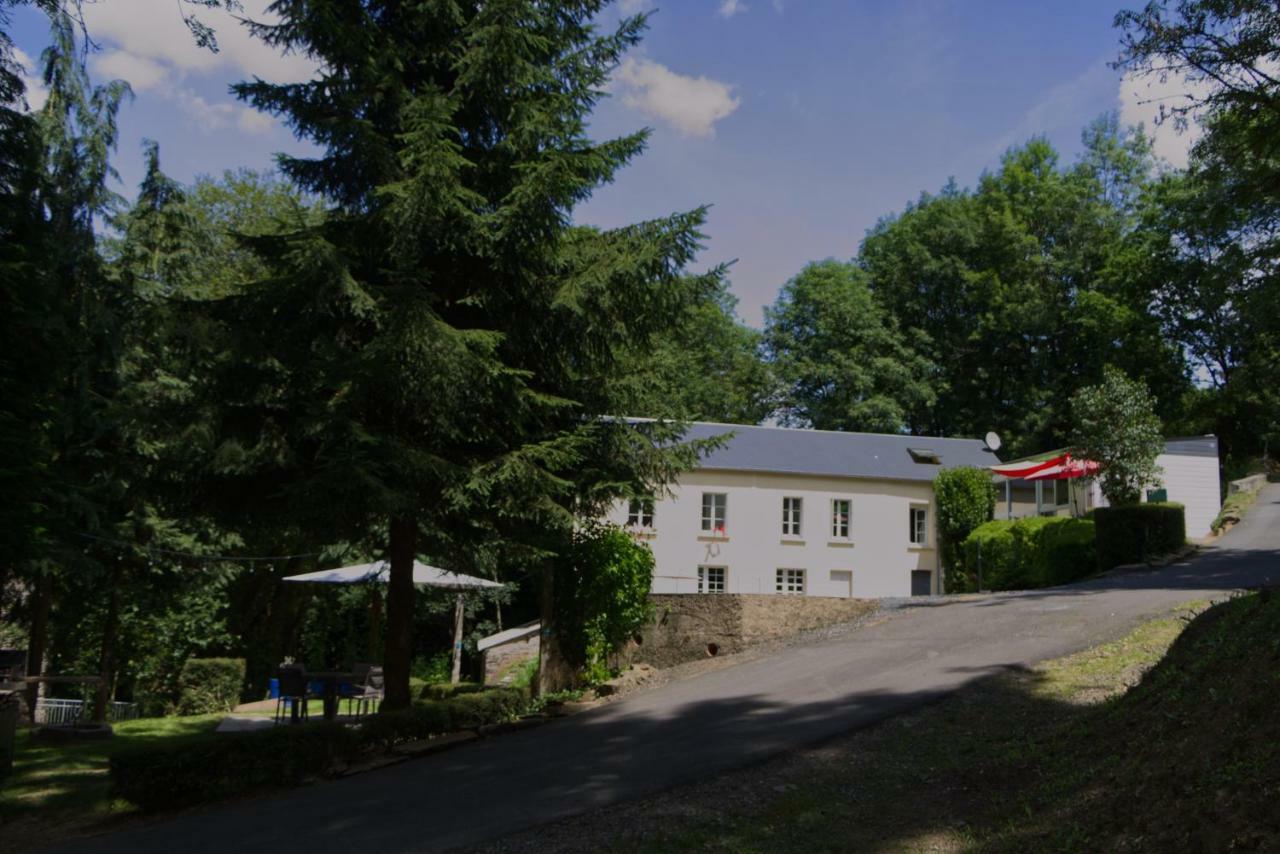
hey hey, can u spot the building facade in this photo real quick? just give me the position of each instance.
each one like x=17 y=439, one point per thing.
x=801 y=512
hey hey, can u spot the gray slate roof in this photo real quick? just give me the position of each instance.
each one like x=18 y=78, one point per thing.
x=1192 y=446
x=785 y=450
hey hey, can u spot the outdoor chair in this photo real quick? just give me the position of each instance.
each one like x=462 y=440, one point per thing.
x=354 y=688
x=293 y=690
x=366 y=697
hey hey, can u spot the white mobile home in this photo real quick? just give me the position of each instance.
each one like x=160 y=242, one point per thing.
x=801 y=512
x=1189 y=476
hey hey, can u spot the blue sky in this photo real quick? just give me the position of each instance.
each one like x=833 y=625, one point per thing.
x=801 y=122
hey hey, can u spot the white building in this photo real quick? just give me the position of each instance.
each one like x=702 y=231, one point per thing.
x=801 y=512
x=1189 y=476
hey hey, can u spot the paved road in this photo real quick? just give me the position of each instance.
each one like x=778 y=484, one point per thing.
x=719 y=720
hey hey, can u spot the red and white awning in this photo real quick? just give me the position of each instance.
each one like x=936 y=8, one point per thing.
x=1056 y=467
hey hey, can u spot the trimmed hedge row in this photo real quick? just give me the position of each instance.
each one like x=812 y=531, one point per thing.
x=177 y=772
x=209 y=685
x=1135 y=532
x=445 y=690
x=1024 y=554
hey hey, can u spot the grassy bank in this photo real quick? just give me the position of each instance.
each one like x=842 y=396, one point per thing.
x=62 y=788
x=1165 y=740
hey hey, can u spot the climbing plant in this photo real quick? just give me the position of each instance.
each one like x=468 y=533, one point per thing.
x=602 y=598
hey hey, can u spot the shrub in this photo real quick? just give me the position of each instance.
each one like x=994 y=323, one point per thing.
x=1067 y=552
x=602 y=596
x=1135 y=532
x=965 y=498
x=445 y=690
x=434 y=669
x=177 y=772
x=208 y=685
x=1024 y=554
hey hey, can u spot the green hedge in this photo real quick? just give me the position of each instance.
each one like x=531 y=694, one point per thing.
x=1024 y=554
x=445 y=690
x=177 y=772
x=1136 y=532
x=210 y=685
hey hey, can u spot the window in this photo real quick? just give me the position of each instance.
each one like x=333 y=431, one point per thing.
x=924 y=456
x=640 y=513
x=919 y=526
x=790 y=582
x=791 y=516
x=713 y=511
x=840 y=519
x=711 y=579
x=1061 y=492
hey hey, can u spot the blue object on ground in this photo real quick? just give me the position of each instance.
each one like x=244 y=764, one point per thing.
x=273 y=689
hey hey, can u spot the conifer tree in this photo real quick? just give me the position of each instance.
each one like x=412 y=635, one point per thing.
x=69 y=307
x=427 y=371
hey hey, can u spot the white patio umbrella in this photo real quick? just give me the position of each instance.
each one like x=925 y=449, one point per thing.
x=426 y=576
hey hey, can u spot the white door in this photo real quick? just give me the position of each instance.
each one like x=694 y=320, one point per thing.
x=842 y=582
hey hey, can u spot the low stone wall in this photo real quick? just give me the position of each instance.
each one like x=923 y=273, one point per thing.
x=1247 y=484
x=502 y=663
x=690 y=627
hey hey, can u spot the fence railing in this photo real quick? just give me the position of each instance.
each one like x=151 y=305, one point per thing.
x=64 y=712
x=58 y=712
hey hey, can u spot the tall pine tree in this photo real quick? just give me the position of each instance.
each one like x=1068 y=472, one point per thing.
x=427 y=371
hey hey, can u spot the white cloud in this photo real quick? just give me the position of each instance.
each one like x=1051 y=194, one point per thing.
x=209 y=116
x=141 y=73
x=36 y=93
x=1140 y=101
x=632 y=7
x=692 y=105
x=1063 y=108
x=254 y=121
x=146 y=43
x=153 y=30
x=729 y=8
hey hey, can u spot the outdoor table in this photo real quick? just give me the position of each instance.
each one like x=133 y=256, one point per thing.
x=331 y=679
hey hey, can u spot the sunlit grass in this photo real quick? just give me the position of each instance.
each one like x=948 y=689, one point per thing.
x=64 y=787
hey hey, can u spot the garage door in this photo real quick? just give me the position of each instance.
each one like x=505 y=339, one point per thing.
x=921 y=582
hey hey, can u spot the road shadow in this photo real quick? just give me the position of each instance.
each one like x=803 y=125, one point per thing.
x=1012 y=763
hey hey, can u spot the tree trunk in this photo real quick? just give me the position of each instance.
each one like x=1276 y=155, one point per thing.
x=554 y=673
x=38 y=638
x=106 y=659
x=458 y=613
x=375 y=621
x=400 y=595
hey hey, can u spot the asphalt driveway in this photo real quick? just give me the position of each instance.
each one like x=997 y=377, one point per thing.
x=711 y=723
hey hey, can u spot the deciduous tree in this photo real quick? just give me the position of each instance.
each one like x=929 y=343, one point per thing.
x=1116 y=426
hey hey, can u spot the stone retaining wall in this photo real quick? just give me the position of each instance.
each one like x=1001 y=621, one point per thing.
x=690 y=627
x=502 y=663
x=1247 y=484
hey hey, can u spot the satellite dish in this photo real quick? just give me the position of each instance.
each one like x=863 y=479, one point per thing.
x=993 y=441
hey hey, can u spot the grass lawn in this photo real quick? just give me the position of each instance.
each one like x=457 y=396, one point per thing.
x=1166 y=740
x=63 y=788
